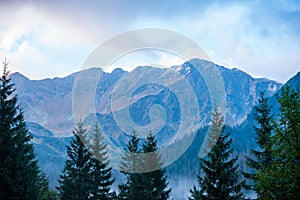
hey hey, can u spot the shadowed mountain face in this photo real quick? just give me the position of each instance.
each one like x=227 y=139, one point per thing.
x=48 y=102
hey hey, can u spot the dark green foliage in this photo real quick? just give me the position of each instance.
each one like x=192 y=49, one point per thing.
x=50 y=195
x=262 y=157
x=74 y=181
x=155 y=181
x=132 y=158
x=130 y=166
x=281 y=179
x=221 y=179
x=144 y=186
x=20 y=177
x=100 y=174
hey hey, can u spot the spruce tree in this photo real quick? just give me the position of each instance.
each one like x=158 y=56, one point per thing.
x=20 y=177
x=130 y=166
x=281 y=179
x=74 y=183
x=155 y=181
x=262 y=157
x=100 y=174
x=143 y=186
x=221 y=175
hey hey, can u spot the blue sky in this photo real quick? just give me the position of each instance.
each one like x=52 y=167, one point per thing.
x=53 y=38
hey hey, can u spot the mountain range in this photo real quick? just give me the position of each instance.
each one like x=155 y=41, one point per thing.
x=47 y=106
x=48 y=102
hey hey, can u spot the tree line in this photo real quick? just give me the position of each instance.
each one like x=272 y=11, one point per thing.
x=274 y=165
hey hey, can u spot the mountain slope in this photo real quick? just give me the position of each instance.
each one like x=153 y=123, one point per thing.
x=48 y=102
x=183 y=171
x=47 y=105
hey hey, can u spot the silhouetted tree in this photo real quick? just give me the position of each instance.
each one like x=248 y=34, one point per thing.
x=155 y=181
x=20 y=177
x=262 y=157
x=147 y=185
x=221 y=175
x=74 y=183
x=100 y=173
x=131 y=165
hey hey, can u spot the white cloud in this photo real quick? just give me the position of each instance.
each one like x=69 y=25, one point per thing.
x=147 y=57
x=34 y=41
x=49 y=39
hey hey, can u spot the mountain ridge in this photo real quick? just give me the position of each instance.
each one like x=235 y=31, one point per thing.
x=41 y=100
x=50 y=100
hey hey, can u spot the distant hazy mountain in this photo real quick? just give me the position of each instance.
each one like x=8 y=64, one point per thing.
x=47 y=105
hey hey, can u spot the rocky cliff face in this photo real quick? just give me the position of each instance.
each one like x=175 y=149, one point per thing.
x=48 y=102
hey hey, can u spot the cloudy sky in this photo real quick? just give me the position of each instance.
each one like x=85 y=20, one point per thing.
x=53 y=38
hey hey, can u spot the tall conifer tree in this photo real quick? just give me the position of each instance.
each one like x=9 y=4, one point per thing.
x=100 y=174
x=20 y=177
x=262 y=157
x=155 y=181
x=281 y=179
x=148 y=185
x=74 y=183
x=221 y=175
x=131 y=165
